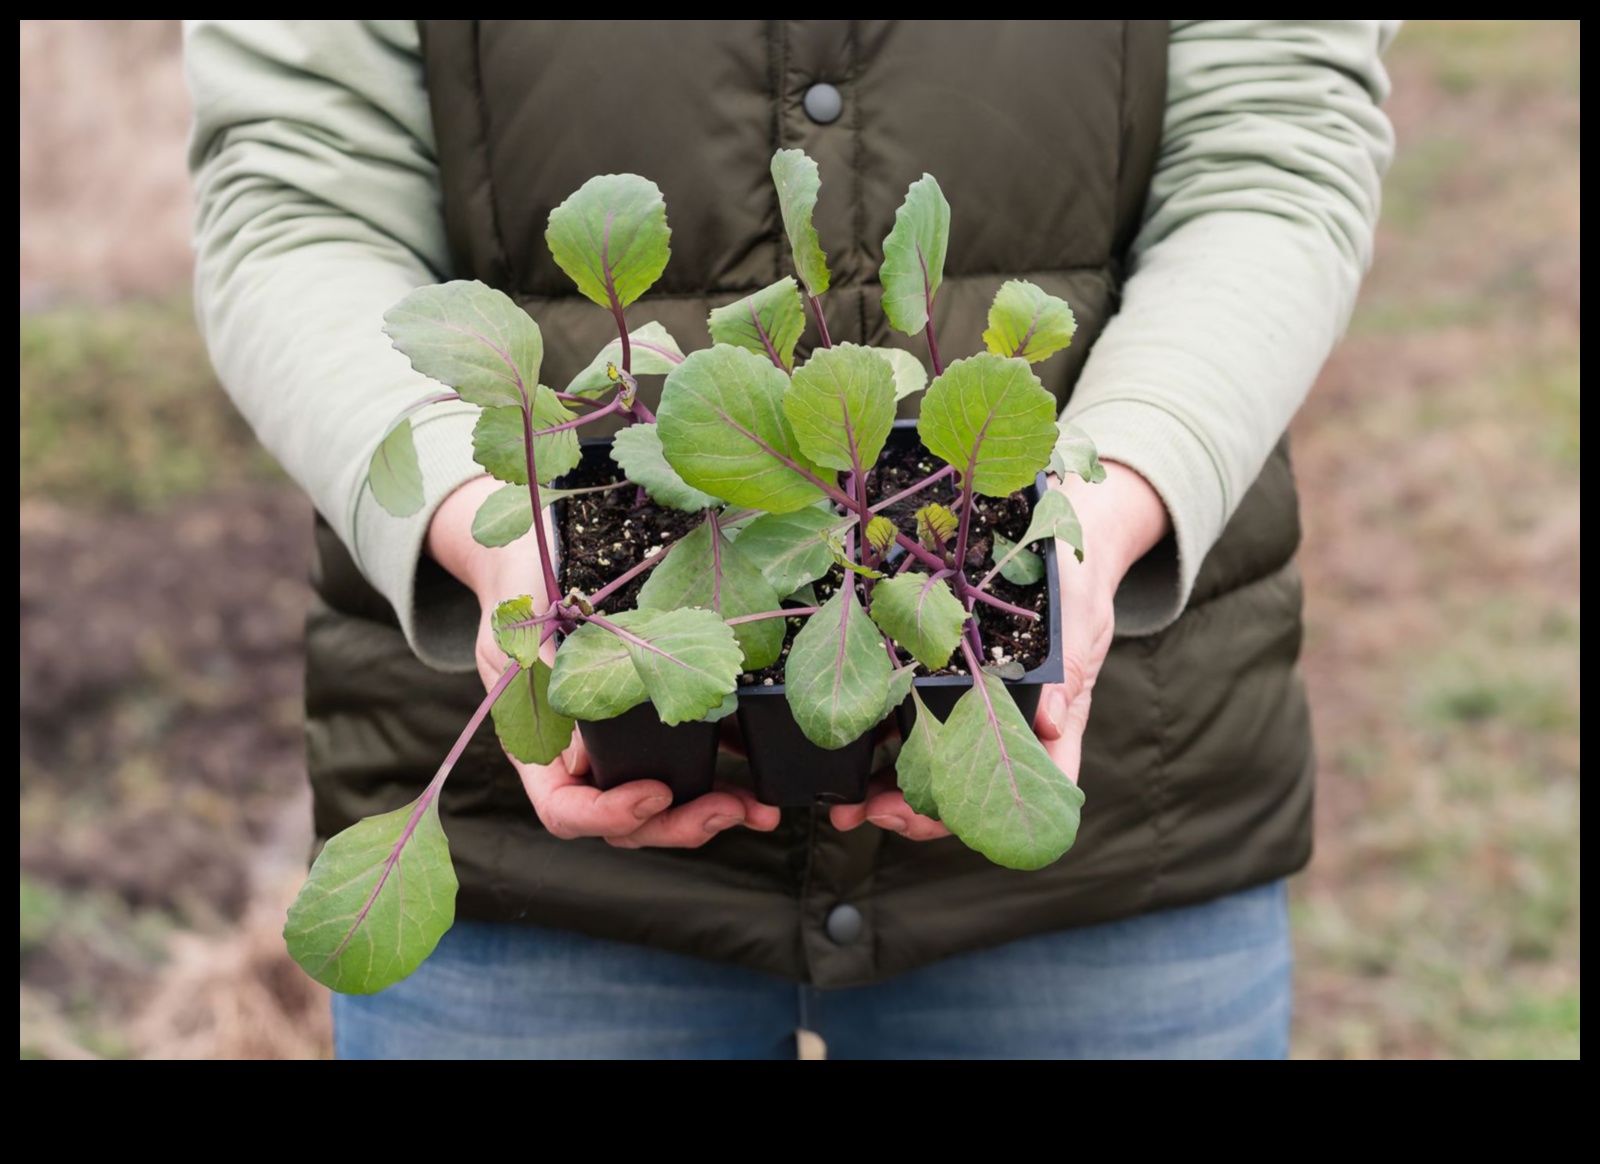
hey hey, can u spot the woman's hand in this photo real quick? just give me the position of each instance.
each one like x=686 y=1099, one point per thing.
x=630 y=816
x=1123 y=518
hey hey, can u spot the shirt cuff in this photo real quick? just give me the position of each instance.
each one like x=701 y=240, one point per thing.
x=1166 y=452
x=437 y=613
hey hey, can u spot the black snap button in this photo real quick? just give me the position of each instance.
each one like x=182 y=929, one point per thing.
x=823 y=103
x=844 y=924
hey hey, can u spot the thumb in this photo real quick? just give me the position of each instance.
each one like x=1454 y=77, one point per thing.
x=1050 y=721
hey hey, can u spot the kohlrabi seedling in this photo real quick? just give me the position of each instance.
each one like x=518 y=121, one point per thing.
x=778 y=456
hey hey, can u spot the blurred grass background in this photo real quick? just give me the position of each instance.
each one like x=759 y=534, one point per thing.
x=162 y=557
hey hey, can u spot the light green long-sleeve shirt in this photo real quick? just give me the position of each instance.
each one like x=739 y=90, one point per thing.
x=319 y=207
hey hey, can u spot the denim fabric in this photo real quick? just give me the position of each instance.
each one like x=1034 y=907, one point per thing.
x=1208 y=981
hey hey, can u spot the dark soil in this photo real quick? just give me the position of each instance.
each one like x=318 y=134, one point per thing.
x=608 y=534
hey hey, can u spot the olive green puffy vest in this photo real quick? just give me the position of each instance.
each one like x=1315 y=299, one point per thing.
x=1197 y=760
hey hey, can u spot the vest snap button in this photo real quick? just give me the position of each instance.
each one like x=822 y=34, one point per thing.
x=843 y=924
x=823 y=103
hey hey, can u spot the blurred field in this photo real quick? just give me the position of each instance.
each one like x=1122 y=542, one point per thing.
x=163 y=814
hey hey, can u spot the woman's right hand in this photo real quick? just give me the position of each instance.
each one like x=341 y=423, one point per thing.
x=630 y=816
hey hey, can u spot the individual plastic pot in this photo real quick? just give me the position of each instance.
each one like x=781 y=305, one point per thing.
x=789 y=770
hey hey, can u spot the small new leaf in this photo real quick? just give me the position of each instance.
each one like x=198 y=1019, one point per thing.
x=880 y=533
x=913 y=256
x=767 y=323
x=394 y=475
x=611 y=237
x=1025 y=322
x=528 y=726
x=991 y=418
x=655 y=353
x=796 y=177
x=515 y=632
x=471 y=337
x=1075 y=453
x=936 y=525
x=637 y=449
x=836 y=551
x=837 y=673
x=1054 y=517
x=995 y=785
x=1024 y=567
x=505 y=515
x=922 y=615
x=378 y=899
x=919 y=757
x=841 y=406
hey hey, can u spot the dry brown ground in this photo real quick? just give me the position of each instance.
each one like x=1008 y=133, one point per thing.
x=161 y=589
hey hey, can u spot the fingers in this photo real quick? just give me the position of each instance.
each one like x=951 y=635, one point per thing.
x=886 y=808
x=570 y=806
x=1050 y=721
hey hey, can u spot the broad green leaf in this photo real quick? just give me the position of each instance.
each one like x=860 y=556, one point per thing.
x=1024 y=567
x=528 y=727
x=788 y=546
x=804 y=596
x=394 y=475
x=593 y=677
x=936 y=524
x=610 y=237
x=514 y=630
x=688 y=661
x=715 y=574
x=837 y=673
x=841 y=406
x=637 y=449
x=1054 y=517
x=497 y=441
x=995 y=785
x=767 y=323
x=723 y=429
x=837 y=552
x=900 y=682
x=653 y=353
x=909 y=375
x=992 y=419
x=1074 y=453
x=880 y=533
x=505 y=515
x=471 y=337
x=919 y=757
x=921 y=614
x=378 y=899
x=913 y=256
x=797 y=180
x=1025 y=322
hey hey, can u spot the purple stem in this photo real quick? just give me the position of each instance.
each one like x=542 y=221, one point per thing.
x=822 y=321
x=589 y=418
x=913 y=490
x=927 y=291
x=552 y=588
x=766 y=340
x=623 y=579
x=797 y=611
x=1002 y=604
x=569 y=398
x=642 y=413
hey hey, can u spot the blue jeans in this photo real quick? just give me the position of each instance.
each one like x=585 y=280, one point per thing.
x=1204 y=982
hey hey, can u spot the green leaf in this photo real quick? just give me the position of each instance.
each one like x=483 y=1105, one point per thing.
x=1027 y=323
x=936 y=524
x=919 y=758
x=1054 y=517
x=922 y=615
x=497 y=441
x=610 y=237
x=992 y=419
x=836 y=551
x=394 y=475
x=714 y=574
x=767 y=323
x=797 y=180
x=688 y=660
x=995 y=785
x=723 y=429
x=505 y=515
x=804 y=596
x=880 y=533
x=1024 y=567
x=909 y=375
x=654 y=353
x=593 y=677
x=471 y=337
x=841 y=406
x=837 y=673
x=913 y=256
x=529 y=728
x=1074 y=453
x=378 y=899
x=514 y=630
x=788 y=546
x=637 y=449
x=900 y=682
x=723 y=710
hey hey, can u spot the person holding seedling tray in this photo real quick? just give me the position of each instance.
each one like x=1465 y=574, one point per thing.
x=711 y=408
